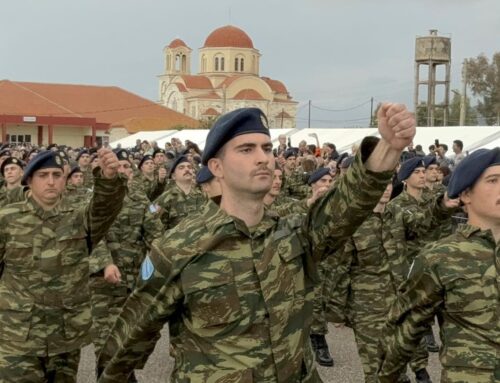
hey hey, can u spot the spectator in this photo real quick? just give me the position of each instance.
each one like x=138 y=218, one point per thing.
x=458 y=147
x=442 y=159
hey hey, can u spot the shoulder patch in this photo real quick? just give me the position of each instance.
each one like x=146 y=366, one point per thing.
x=147 y=269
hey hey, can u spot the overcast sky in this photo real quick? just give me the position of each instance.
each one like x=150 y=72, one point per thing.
x=336 y=53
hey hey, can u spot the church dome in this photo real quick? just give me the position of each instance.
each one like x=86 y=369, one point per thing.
x=228 y=36
x=176 y=43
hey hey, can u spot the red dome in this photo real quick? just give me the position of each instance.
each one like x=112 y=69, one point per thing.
x=176 y=43
x=228 y=36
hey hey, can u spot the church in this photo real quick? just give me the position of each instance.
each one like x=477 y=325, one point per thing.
x=228 y=79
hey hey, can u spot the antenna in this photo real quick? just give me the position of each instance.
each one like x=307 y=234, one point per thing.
x=229 y=15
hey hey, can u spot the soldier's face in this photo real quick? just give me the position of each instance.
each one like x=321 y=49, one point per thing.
x=84 y=160
x=417 y=179
x=76 y=179
x=277 y=182
x=245 y=166
x=94 y=163
x=125 y=168
x=148 y=167
x=323 y=183
x=13 y=174
x=47 y=185
x=290 y=162
x=483 y=199
x=183 y=172
x=386 y=197
x=431 y=173
x=160 y=158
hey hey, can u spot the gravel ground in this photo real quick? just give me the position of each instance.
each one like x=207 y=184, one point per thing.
x=347 y=367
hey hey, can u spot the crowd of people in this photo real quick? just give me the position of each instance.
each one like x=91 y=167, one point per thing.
x=248 y=252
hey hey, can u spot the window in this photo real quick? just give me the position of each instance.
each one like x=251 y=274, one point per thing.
x=27 y=138
x=222 y=63
x=236 y=64
x=242 y=66
x=216 y=64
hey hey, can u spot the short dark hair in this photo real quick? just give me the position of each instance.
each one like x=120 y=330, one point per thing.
x=432 y=148
x=331 y=146
x=444 y=146
x=459 y=143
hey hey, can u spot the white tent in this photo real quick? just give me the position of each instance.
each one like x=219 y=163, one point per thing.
x=129 y=141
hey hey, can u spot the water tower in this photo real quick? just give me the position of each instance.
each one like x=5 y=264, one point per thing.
x=431 y=53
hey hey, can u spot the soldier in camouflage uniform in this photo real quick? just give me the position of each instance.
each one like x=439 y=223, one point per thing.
x=116 y=261
x=294 y=180
x=75 y=191
x=44 y=244
x=83 y=159
x=11 y=170
x=152 y=182
x=209 y=185
x=182 y=197
x=276 y=201
x=236 y=283
x=4 y=154
x=457 y=279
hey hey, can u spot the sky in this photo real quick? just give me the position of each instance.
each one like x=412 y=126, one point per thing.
x=338 y=54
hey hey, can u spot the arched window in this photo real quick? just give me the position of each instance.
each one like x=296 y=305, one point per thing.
x=177 y=62
x=236 y=64
x=216 y=64
x=184 y=63
x=242 y=65
x=222 y=63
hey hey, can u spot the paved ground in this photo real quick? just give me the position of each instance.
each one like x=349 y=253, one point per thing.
x=347 y=367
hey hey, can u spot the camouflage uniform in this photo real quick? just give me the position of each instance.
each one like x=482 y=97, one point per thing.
x=176 y=205
x=125 y=246
x=44 y=296
x=456 y=278
x=295 y=185
x=284 y=206
x=239 y=300
x=446 y=225
x=77 y=195
x=152 y=188
x=88 y=178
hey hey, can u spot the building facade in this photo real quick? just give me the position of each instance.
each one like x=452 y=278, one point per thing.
x=228 y=78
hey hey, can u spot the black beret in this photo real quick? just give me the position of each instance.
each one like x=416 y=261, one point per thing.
x=84 y=151
x=122 y=154
x=76 y=169
x=317 y=175
x=470 y=169
x=346 y=162
x=232 y=124
x=291 y=152
x=10 y=161
x=170 y=154
x=178 y=160
x=147 y=157
x=51 y=146
x=44 y=160
x=408 y=167
x=64 y=156
x=36 y=151
x=204 y=175
x=429 y=160
x=158 y=151
x=5 y=153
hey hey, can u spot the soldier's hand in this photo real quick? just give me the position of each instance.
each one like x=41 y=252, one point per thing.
x=396 y=125
x=162 y=174
x=450 y=203
x=108 y=162
x=318 y=193
x=112 y=274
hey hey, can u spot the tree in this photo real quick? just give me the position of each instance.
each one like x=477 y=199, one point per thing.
x=483 y=77
x=470 y=112
x=421 y=115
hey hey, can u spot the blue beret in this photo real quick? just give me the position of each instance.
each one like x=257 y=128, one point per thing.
x=10 y=161
x=291 y=152
x=147 y=157
x=232 y=124
x=5 y=153
x=317 y=175
x=84 y=151
x=409 y=166
x=204 y=175
x=429 y=160
x=121 y=154
x=44 y=160
x=470 y=169
x=178 y=160
x=346 y=162
x=76 y=169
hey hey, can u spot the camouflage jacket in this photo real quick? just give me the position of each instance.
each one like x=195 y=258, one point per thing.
x=44 y=296
x=152 y=188
x=176 y=205
x=412 y=222
x=295 y=185
x=88 y=178
x=456 y=278
x=283 y=206
x=77 y=195
x=446 y=226
x=239 y=301
x=128 y=240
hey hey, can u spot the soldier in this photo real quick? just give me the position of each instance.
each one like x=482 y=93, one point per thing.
x=456 y=278
x=4 y=154
x=208 y=183
x=236 y=283
x=153 y=185
x=12 y=173
x=432 y=186
x=293 y=179
x=182 y=197
x=116 y=261
x=75 y=191
x=83 y=160
x=44 y=244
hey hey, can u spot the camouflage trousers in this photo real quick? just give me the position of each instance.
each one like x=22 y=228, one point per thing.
x=368 y=336
x=319 y=324
x=60 y=368
x=469 y=375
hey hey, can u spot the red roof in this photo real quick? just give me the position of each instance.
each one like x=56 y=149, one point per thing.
x=248 y=94
x=176 y=43
x=275 y=85
x=181 y=87
x=210 y=112
x=283 y=114
x=228 y=81
x=209 y=95
x=107 y=104
x=197 y=82
x=228 y=36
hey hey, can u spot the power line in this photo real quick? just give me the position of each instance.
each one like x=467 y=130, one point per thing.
x=341 y=110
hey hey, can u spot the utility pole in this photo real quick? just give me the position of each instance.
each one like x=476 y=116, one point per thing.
x=309 y=116
x=464 y=95
x=371 y=113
